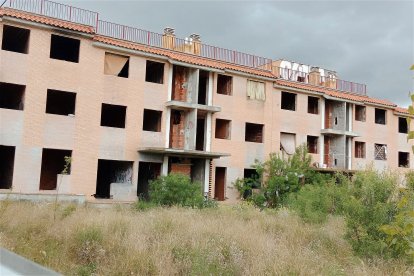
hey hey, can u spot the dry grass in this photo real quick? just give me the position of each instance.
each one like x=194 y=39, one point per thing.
x=238 y=240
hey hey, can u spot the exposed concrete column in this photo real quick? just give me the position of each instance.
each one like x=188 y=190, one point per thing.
x=349 y=153
x=208 y=132
x=167 y=127
x=321 y=149
x=206 y=176
x=190 y=130
x=322 y=137
x=170 y=81
x=168 y=112
x=210 y=89
x=322 y=113
x=350 y=116
x=164 y=170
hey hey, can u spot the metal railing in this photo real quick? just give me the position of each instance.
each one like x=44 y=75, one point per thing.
x=55 y=10
x=188 y=45
x=329 y=82
x=194 y=47
x=113 y=30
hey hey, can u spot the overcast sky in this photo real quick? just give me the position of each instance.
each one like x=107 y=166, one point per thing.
x=369 y=42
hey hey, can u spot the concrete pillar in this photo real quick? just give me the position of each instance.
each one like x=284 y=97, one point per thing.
x=170 y=81
x=210 y=89
x=322 y=137
x=206 y=176
x=167 y=127
x=164 y=170
x=208 y=132
x=349 y=153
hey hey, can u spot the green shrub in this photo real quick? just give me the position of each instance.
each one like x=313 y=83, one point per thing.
x=176 y=189
x=400 y=232
x=314 y=203
x=370 y=206
x=280 y=176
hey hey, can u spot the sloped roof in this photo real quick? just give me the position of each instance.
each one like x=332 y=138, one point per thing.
x=183 y=57
x=334 y=93
x=46 y=20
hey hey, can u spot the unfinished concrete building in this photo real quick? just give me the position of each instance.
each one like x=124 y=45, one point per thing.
x=126 y=106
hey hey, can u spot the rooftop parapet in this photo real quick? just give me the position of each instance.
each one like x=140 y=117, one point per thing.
x=191 y=45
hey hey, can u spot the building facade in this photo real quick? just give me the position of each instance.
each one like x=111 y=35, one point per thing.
x=114 y=107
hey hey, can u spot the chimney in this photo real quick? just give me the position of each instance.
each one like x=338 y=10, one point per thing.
x=196 y=43
x=168 y=38
x=315 y=76
x=330 y=79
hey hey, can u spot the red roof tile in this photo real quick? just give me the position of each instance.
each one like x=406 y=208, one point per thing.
x=335 y=93
x=401 y=110
x=46 y=20
x=183 y=57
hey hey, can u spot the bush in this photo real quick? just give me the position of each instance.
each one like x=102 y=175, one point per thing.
x=281 y=177
x=176 y=189
x=314 y=203
x=370 y=206
x=400 y=232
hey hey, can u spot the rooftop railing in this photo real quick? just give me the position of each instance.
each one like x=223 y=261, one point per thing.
x=89 y=18
x=325 y=81
x=55 y=10
x=188 y=45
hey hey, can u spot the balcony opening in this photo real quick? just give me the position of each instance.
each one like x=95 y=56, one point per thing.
x=203 y=87
x=15 y=39
x=380 y=152
x=288 y=143
x=313 y=105
x=113 y=115
x=360 y=112
x=220 y=184
x=154 y=72
x=147 y=171
x=6 y=166
x=403 y=159
x=152 y=120
x=177 y=129
x=380 y=116
x=200 y=135
x=53 y=163
x=116 y=65
x=180 y=83
x=312 y=142
x=113 y=177
x=60 y=102
x=359 y=149
x=64 y=48
x=402 y=125
x=254 y=133
x=224 y=85
x=12 y=96
x=288 y=101
x=223 y=129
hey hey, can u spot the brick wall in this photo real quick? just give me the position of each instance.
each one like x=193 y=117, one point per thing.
x=177 y=130
x=180 y=84
x=181 y=168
